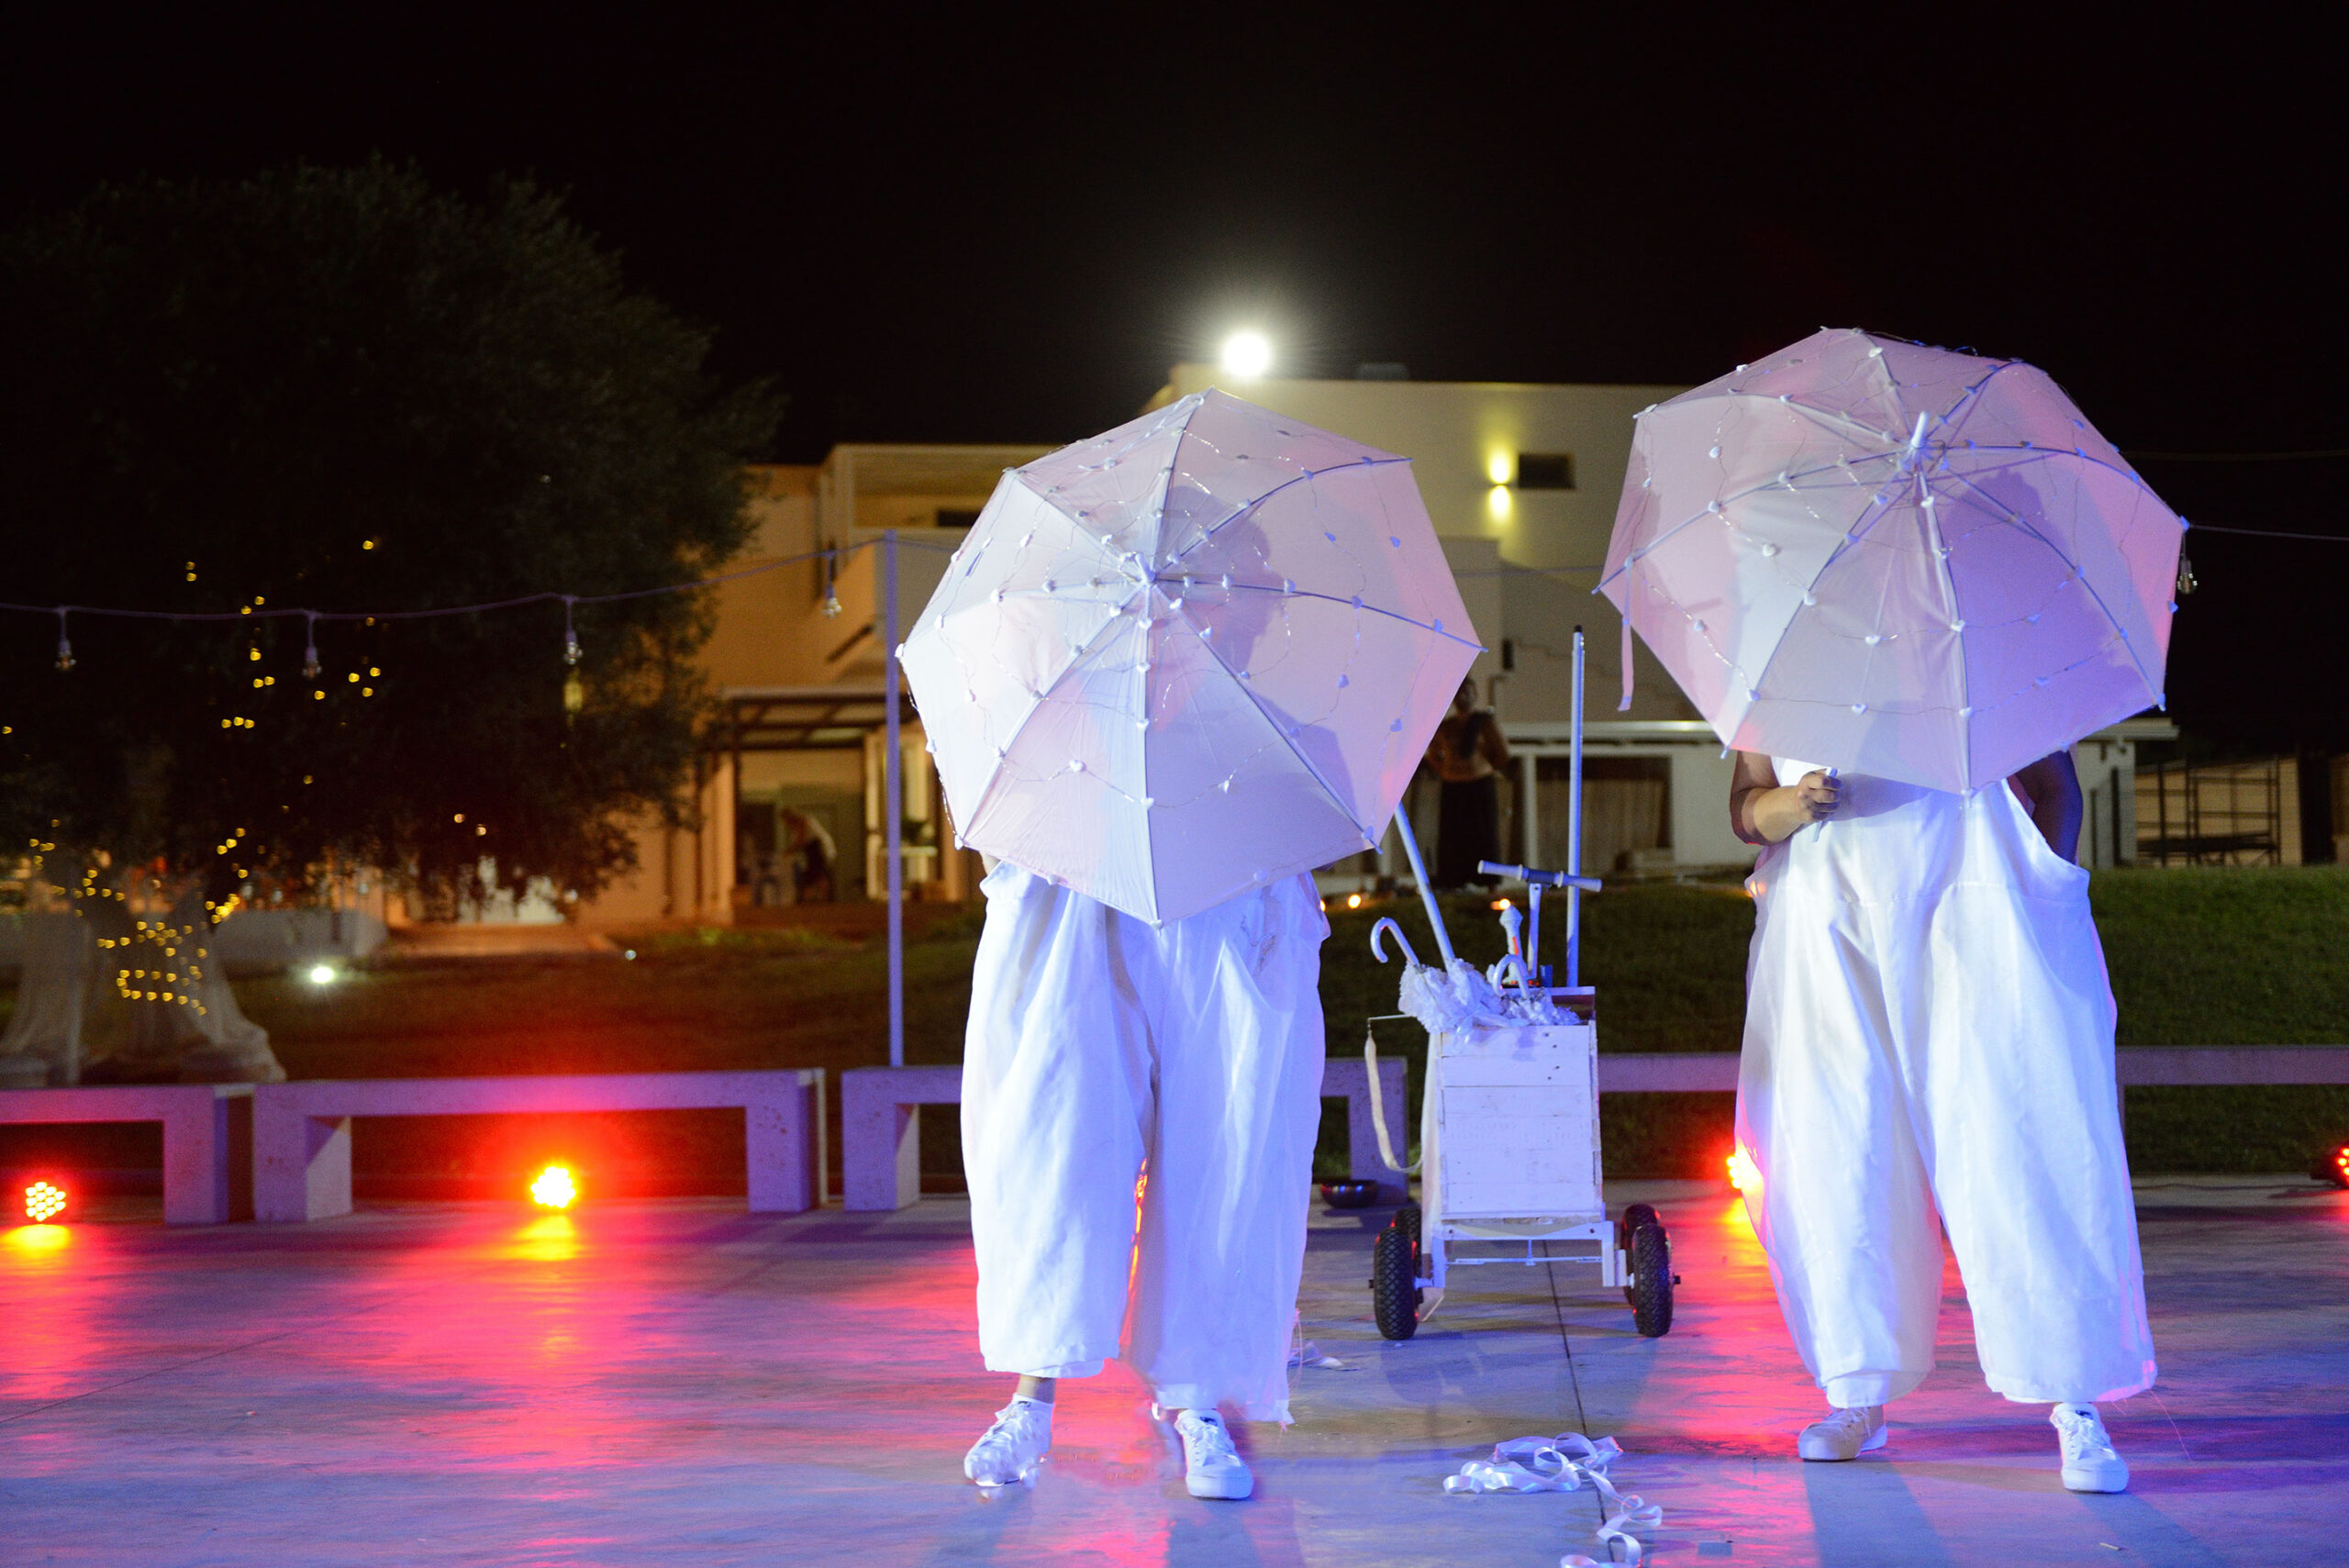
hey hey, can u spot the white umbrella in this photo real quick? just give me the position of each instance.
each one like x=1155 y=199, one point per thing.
x=1193 y=655
x=1894 y=560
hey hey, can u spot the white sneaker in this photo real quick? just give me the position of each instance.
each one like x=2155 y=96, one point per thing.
x=1211 y=1466
x=1844 y=1433
x=2090 y=1463
x=1008 y=1453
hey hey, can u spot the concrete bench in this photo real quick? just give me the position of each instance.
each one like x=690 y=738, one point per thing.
x=881 y=1126
x=302 y=1130
x=206 y=1134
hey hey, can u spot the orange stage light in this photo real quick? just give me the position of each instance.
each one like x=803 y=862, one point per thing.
x=44 y=1201
x=554 y=1188
x=1353 y=900
x=1744 y=1175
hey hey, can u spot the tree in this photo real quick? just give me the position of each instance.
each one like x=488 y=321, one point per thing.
x=336 y=390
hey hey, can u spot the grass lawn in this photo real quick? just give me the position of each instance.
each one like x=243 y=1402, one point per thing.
x=2248 y=956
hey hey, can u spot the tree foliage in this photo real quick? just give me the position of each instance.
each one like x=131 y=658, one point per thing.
x=344 y=390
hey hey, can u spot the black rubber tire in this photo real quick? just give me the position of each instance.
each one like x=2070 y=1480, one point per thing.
x=1650 y=1290
x=1393 y=1289
x=1638 y=1214
x=1407 y=1219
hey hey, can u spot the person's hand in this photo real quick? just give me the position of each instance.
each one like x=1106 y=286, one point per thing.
x=1817 y=795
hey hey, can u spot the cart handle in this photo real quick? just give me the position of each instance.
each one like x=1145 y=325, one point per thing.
x=1534 y=877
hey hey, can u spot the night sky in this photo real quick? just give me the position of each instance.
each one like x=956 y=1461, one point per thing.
x=972 y=225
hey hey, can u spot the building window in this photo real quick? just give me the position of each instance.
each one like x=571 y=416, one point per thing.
x=1545 y=471
x=953 y=517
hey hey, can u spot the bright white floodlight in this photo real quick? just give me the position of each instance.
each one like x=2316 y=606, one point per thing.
x=1247 y=355
x=322 y=974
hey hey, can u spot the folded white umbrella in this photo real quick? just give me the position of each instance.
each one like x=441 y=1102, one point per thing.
x=1188 y=657
x=1899 y=561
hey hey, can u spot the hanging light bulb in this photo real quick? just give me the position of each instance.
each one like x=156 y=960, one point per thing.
x=64 y=644
x=310 y=652
x=2187 y=582
x=832 y=600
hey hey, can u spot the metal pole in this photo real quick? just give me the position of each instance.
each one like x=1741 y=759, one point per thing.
x=1574 y=827
x=1419 y=874
x=893 y=803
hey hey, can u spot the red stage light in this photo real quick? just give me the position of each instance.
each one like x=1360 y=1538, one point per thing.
x=44 y=1201
x=2341 y=1166
x=554 y=1188
x=1744 y=1175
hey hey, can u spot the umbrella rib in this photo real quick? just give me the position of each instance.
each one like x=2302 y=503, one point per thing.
x=2015 y=519
x=1076 y=524
x=1287 y=738
x=1306 y=477
x=1358 y=604
x=987 y=797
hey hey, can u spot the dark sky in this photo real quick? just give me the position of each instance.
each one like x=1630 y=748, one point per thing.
x=968 y=225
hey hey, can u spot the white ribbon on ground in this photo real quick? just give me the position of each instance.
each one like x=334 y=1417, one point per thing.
x=1566 y=1463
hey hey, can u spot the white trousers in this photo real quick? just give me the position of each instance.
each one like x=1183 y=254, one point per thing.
x=1103 y=1053
x=1929 y=1035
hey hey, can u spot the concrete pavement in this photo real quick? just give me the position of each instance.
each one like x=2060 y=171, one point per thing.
x=680 y=1382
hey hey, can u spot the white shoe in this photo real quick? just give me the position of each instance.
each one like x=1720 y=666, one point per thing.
x=2090 y=1463
x=1008 y=1453
x=1844 y=1433
x=1211 y=1466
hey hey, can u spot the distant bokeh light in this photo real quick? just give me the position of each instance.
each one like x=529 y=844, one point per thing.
x=322 y=974
x=554 y=1188
x=44 y=1201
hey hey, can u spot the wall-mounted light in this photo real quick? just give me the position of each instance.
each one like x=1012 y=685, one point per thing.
x=1501 y=467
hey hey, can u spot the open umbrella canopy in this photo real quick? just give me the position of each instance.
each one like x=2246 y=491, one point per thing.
x=1899 y=561
x=1202 y=651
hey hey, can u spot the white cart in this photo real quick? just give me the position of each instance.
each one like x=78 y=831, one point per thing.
x=1508 y=1132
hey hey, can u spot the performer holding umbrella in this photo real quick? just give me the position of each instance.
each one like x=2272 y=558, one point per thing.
x=1926 y=574
x=1171 y=670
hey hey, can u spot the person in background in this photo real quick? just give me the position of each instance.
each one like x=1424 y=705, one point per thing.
x=1466 y=757
x=1928 y=1045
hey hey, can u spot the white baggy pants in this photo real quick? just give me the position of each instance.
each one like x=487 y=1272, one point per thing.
x=1929 y=1027
x=1101 y=1052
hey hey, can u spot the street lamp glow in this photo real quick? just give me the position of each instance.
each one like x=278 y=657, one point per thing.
x=1247 y=355
x=322 y=974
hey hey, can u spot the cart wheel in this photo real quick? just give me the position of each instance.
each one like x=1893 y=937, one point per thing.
x=1407 y=1220
x=1650 y=1292
x=1393 y=1292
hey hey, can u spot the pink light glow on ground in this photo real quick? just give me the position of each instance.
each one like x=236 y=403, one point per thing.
x=682 y=1383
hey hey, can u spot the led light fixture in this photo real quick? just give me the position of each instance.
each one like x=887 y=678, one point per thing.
x=554 y=1188
x=44 y=1202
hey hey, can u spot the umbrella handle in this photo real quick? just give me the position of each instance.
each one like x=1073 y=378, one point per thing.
x=1427 y=893
x=1385 y=925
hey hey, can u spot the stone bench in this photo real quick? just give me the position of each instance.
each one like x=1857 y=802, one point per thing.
x=302 y=1130
x=2148 y=1065
x=881 y=1126
x=206 y=1134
